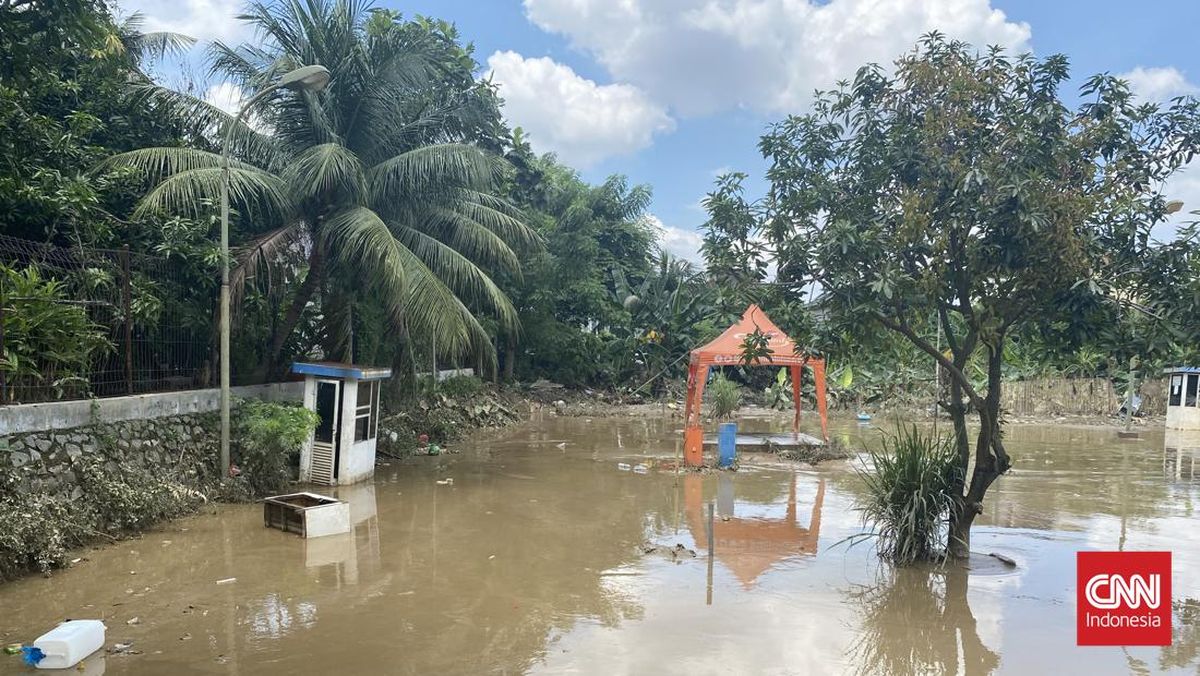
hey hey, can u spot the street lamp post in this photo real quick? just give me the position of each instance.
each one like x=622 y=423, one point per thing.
x=305 y=78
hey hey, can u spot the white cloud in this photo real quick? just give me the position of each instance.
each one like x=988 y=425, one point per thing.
x=1159 y=84
x=678 y=242
x=200 y=19
x=226 y=96
x=580 y=120
x=1184 y=186
x=702 y=56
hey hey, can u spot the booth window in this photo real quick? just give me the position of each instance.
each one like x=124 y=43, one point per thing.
x=1176 y=396
x=366 y=411
x=1189 y=392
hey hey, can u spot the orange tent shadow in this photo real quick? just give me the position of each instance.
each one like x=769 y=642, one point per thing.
x=749 y=547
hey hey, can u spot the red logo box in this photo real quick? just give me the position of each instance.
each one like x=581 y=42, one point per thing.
x=1123 y=598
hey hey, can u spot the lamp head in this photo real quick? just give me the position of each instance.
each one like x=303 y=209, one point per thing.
x=306 y=79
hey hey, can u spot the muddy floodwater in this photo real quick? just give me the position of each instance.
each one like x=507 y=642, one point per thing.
x=569 y=546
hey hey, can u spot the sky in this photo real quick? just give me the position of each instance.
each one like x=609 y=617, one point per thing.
x=673 y=93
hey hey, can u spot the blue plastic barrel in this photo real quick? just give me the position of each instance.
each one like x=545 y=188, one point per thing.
x=726 y=444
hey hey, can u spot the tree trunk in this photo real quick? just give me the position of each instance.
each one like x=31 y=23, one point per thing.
x=284 y=329
x=991 y=460
x=510 y=357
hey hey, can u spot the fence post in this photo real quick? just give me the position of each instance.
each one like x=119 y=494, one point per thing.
x=126 y=292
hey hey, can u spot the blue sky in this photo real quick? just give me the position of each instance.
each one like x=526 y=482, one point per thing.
x=673 y=92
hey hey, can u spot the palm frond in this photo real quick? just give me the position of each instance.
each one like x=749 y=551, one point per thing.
x=327 y=169
x=457 y=272
x=260 y=258
x=432 y=167
x=478 y=243
x=500 y=217
x=253 y=190
x=208 y=120
x=152 y=45
x=358 y=239
x=163 y=161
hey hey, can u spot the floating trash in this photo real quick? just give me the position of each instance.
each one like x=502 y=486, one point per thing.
x=623 y=466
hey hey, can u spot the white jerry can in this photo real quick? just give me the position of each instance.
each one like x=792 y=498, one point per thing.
x=67 y=644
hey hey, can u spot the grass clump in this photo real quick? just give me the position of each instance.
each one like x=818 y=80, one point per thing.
x=910 y=494
x=725 y=397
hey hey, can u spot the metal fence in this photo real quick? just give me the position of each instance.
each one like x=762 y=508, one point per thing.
x=83 y=322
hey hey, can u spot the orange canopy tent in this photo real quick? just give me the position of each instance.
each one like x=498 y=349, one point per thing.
x=726 y=350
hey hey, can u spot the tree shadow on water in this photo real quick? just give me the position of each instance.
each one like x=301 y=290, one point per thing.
x=917 y=620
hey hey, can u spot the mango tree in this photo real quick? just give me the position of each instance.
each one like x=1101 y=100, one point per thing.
x=963 y=188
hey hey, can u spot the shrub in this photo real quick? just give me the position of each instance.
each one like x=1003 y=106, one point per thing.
x=910 y=494
x=270 y=436
x=50 y=344
x=725 y=397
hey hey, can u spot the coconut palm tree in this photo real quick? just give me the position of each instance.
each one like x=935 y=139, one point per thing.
x=380 y=183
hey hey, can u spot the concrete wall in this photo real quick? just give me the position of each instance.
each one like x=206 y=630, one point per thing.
x=1183 y=418
x=59 y=415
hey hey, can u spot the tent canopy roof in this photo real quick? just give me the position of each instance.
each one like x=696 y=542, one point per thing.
x=727 y=347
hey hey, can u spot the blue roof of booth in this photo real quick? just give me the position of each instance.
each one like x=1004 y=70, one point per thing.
x=333 y=369
x=1182 y=369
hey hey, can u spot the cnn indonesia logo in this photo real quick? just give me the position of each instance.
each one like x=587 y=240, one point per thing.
x=1123 y=598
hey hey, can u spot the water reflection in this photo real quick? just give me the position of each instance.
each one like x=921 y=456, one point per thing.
x=338 y=557
x=918 y=620
x=1180 y=448
x=749 y=546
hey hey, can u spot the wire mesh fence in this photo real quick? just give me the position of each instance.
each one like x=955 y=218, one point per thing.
x=82 y=322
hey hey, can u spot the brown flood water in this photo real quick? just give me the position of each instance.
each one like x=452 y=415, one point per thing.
x=532 y=562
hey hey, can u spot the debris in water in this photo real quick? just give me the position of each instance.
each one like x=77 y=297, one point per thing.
x=133 y=620
x=491 y=557
x=561 y=445
x=676 y=552
x=12 y=649
x=445 y=482
x=1004 y=559
x=640 y=469
x=623 y=466
x=228 y=580
x=76 y=560
x=186 y=637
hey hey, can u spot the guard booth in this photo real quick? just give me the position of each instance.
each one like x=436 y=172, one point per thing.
x=346 y=397
x=1183 y=398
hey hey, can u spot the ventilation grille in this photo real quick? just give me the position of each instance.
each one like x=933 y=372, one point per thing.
x=321 y=471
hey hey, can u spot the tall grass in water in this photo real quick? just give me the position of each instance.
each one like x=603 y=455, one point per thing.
x=910 y=494
x=725 y=395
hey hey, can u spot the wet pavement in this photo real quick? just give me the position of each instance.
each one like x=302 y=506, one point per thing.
x=546 y=556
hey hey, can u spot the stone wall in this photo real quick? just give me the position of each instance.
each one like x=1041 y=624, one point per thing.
x=173 y=435
x=183 y=447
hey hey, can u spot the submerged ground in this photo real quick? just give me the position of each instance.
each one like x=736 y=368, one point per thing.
x=534 y=560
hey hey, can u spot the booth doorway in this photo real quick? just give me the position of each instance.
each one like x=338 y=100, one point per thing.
x=326 y=451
